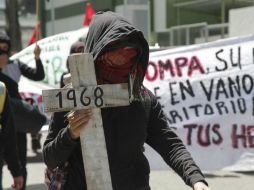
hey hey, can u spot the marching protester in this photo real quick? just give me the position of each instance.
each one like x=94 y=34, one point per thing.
x=8 y=146
x=14 y=69
x=11 y=78
x=120 y=53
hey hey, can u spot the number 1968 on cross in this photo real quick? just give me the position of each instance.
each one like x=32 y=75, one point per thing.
x=82 y=97
x=86 y=93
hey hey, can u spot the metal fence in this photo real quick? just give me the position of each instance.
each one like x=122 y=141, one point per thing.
x=192 y=34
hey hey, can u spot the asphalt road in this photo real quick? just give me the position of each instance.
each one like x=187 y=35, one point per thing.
x=159 y=180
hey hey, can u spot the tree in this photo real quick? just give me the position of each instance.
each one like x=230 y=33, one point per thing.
x=12 y=24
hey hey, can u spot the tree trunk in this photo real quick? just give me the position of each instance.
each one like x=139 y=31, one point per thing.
x=12 y=24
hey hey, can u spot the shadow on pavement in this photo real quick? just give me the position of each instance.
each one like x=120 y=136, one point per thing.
x=246 y=172
x=34 y=187
x=35 y=158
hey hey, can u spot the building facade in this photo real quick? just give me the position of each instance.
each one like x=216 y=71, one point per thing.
x=27 y=22
x=196 y=21
x=166 y=22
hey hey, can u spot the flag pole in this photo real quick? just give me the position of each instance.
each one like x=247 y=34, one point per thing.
x=37 y=21
x=52 y=11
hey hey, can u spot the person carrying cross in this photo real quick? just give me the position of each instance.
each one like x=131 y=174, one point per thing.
x=121 y=55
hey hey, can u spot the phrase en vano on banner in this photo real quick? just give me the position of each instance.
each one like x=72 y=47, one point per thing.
x=207 y=92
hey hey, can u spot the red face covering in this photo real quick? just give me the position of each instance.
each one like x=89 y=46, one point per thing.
x=114 y=66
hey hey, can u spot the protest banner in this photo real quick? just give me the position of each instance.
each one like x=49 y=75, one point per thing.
x=207 y=92
x=54 y=53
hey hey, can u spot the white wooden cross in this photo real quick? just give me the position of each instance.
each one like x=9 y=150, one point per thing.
x=84 y=94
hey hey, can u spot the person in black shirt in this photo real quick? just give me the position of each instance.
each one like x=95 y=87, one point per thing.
x=8 y=146
x=120 y=53
x=11 y=81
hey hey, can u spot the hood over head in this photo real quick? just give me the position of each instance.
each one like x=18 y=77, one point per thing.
x=108 y=31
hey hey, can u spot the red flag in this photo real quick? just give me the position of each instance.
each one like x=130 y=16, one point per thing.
x=89 y=14
x=35 y=34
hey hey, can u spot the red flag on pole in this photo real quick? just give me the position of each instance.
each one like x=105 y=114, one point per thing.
x=89 y=14
x=35 y=34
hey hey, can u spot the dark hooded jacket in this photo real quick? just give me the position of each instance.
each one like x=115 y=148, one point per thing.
x=126 y=128
x=8 y=148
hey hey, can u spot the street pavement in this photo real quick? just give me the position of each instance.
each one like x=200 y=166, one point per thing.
x=159 y=179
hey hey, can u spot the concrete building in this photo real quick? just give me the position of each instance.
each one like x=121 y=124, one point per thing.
x=241 y=21
x=167 y=22
x=64 y=15
x=27 y=24
x=196 y=21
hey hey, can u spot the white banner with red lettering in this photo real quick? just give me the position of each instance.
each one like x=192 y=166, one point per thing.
x=207 y=92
